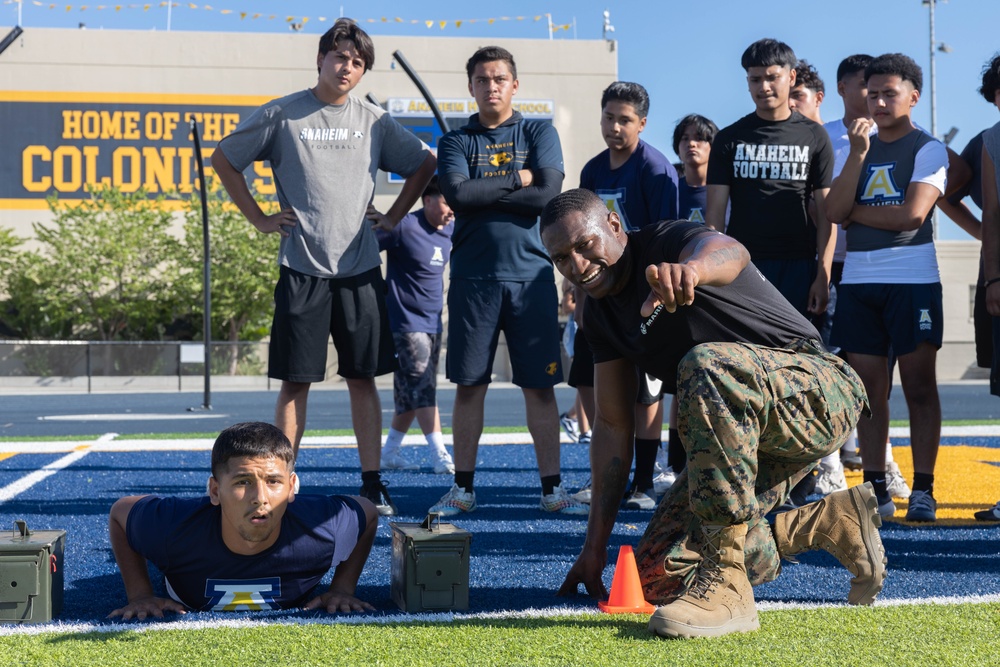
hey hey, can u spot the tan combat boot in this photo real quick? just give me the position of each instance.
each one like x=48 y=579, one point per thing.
x=845 y=524
x=720 y=600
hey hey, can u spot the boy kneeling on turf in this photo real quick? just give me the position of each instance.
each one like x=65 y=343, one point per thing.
x=250 y=544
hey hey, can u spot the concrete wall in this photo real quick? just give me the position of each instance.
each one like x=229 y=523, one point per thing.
x=248 y=69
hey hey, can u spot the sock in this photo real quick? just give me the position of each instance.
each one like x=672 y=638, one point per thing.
x=549 y=483
x=371 y=477
x=676 y=457
x=645 y=460
x=877 y=480
x=923 y=481
x=830 y=462
x=436 y=441
x=888 y=452
x=463 y=479
x=392 y=441
x=851 y=445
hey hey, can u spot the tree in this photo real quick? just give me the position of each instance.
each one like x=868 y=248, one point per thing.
x=244 y=272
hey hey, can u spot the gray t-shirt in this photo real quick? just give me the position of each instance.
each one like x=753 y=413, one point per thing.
x=324 y=158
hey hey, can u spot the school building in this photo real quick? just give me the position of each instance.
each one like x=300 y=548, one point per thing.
x=82 y=107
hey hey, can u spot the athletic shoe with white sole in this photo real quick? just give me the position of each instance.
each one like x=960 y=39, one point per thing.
x=895 y=483
x=441 y=460
x=570 y=426
x=886 y=508
x=394 y=460
x=830 y=480
x=922 y=507
x=583 y=495
x=641 y=500
x=992 y=514
x=455 y=502
x=851 y=459
x=560 y=501
x=379 y=495
x=584 y=439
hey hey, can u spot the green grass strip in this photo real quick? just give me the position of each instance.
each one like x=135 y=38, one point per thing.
x=963 y=635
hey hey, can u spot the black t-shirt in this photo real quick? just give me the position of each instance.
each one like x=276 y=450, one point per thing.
x=772 y=168
x=748 y=310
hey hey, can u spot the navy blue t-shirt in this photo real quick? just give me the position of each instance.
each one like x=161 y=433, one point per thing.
x=496 y=220
x=183 y=538
x=641 y=191
x=691 y=201
x=416 y=254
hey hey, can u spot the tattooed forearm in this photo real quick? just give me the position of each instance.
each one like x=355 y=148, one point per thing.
x=613 y=479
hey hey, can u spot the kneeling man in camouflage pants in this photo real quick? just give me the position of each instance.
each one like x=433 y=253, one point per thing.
x=760 y=402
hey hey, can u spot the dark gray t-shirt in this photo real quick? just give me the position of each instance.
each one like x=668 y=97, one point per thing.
x=324 y=158
x=991 y=140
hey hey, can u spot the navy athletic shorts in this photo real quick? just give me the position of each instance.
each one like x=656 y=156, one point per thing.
x=874 y=317
x=526 y=312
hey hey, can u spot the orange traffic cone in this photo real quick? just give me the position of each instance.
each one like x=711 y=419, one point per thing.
x=626 y=591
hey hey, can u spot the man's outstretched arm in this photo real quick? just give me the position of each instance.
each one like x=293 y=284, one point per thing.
x=135 y=575
x=710 y=258
x=610 y=460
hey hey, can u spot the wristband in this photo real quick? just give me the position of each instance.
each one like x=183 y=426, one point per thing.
x=991 y=281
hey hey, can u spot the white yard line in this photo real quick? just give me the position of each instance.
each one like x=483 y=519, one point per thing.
x=192 y=622
x=14 y=489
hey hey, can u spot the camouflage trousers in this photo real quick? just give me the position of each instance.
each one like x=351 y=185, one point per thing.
x=753 y=421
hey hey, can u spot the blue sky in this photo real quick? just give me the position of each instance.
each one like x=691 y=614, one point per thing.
x=686 y=53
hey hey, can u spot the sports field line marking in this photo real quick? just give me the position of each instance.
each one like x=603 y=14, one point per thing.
x=191 y=622
x=14 y=489
x=335 y=441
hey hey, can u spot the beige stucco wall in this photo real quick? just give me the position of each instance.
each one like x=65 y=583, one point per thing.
x=571 y=72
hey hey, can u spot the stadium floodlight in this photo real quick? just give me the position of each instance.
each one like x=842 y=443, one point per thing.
x=15 y=32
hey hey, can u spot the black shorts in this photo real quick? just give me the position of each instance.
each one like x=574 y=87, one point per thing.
x=874 y=317
x=527 y=313
x=792 y=277
x=581 y=371
x=309 y=309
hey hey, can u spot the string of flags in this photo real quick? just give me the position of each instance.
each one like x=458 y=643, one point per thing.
x=297 y=20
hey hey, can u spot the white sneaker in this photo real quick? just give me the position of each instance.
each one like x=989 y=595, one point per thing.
x=640 y=500
x=851 y=459
x=830 y=480
x=394 y=460
x=560 y=501
x=663 y=479
x=570 y=426
x=441 y=460
x=895 y=484
x=583 y=495
x=455 y=502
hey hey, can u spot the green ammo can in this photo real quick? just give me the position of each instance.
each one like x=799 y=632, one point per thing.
x=430 y=565
x=31 y=574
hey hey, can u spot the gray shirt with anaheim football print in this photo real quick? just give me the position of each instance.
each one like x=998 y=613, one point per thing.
x=324 y=158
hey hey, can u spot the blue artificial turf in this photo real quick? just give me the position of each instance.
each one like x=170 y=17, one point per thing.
x=519 y=554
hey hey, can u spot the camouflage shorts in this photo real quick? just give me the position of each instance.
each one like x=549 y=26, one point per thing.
x=415 y=383
x=753 y=421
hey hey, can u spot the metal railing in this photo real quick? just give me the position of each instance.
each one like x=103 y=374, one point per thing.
x=90 y=359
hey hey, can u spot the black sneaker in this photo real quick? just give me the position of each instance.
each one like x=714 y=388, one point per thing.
x=379 y=495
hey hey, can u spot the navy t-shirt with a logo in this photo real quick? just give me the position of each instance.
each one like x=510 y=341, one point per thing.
x=417 y=254
x=642 y=191
x=748 y=310
x=183 y=538
x=499 y=241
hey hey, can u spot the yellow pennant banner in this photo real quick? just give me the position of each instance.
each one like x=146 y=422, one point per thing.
x=297 y=21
